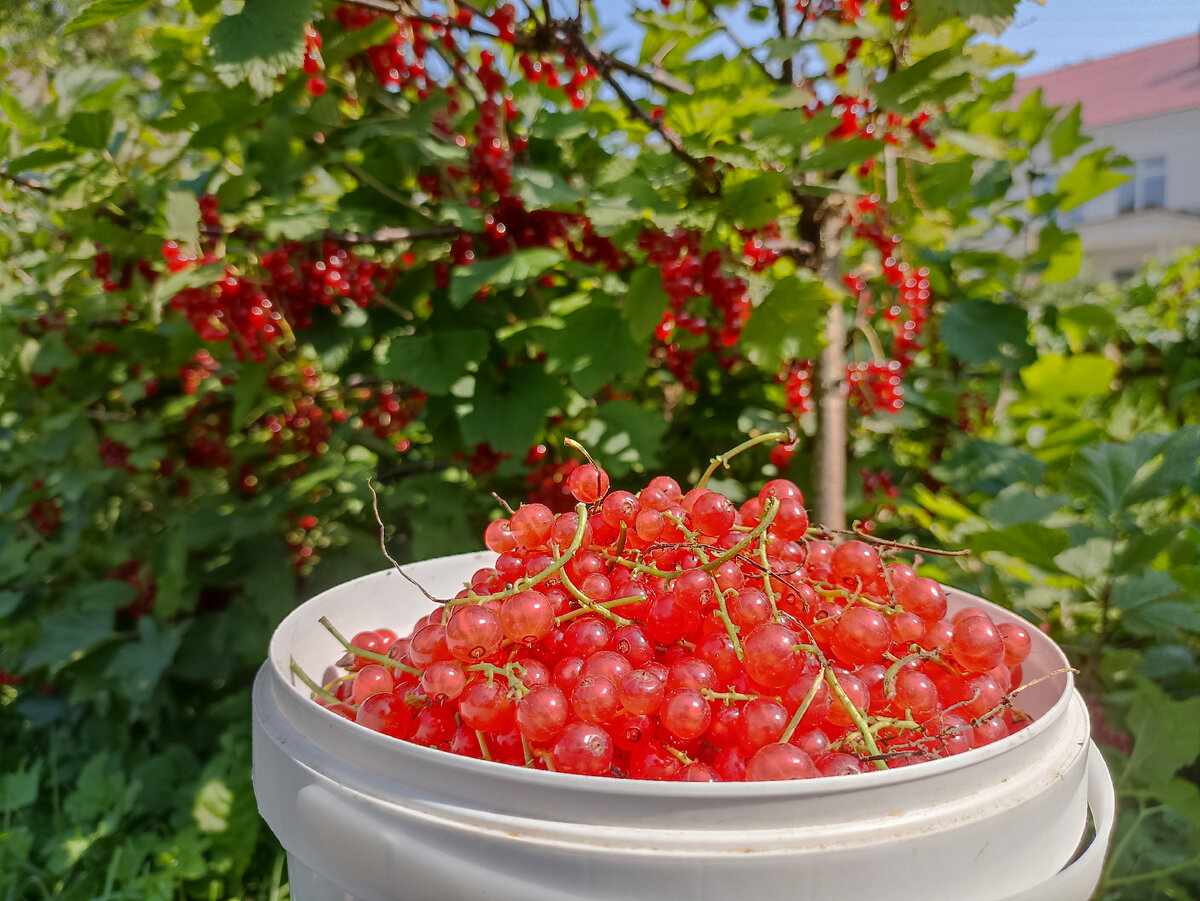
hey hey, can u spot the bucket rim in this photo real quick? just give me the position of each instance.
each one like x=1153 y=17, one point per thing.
x=295 y=696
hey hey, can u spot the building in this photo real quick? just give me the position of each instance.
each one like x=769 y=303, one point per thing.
x=1144 y=103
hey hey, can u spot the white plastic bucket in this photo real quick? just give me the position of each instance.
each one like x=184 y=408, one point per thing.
x=364 y=817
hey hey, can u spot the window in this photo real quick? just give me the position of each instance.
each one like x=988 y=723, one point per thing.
x=1146 y=188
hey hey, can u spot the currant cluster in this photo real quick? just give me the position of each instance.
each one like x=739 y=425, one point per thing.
x=541 y=70
x=399 y=62
x=849 y=11
x=878 y=483
x=114 y=454
x=796 y=377
x=139 y=576
x=971 y=411
x=666 y=635
x=549 y=485
x=391 y=411
x=876 y=385
x=201 y=366
x=301 y=280
x=313 y=64
x=303 y=540
x=45 y=513
x=482 y=460
x=689 y=276
x=206 y=439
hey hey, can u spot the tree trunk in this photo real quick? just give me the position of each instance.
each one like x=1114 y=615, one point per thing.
x=831 y=423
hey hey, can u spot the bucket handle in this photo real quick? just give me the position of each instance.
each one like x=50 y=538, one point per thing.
x=1078 y=880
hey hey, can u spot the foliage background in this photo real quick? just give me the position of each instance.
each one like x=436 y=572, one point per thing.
x=166 y=497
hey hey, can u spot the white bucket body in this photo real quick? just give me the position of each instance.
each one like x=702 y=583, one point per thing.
x=365 y=817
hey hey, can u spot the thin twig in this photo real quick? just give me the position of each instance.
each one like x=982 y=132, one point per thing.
x=397 y=235
x=25 y=182
x=383 y=546
x=826 y=532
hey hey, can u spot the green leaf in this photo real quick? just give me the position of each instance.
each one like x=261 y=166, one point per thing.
x=988 y=468
x=752 y=197
x=1065 y=137
x=103 y=11
x=594 y=348
x=89 y=128
x=9 y=601
x=1163 y=620
x=788 y=324
x=1092 y=176
x=1179 y=467
x=168 y=287
x=794 y=127
x=499 y=273
x=182 y=214
x=212 y=806
x=53 y=354
x=1089 y=562
x=644 y=303
x=1054 y=376
x=138 y=665
x=1105 y=473
x=980 y=331
x=265 y=39
x=1062 y=252
x=1167 y=735
x=19 y=789
x=1152 y=585
x=435 y=361
x=624 y=436
x=838 y=155
x=1021 y=505
x=67 y=635
x=170 y=569
x=101 y=791
x=1031 y=542
x=303 y=221
x=251 y=380
x=511 y=415
x=904 y=89
x=541 y=189
x=345 y=44
x=988 y=16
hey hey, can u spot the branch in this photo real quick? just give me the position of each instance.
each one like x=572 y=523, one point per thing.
x=701 y=168
x=382 y=236
x=782 y=16
x=24 y=182
x=742 y=45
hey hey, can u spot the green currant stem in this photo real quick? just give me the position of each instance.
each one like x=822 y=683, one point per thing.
x=381 y=659
x=723 y=459
x=893 y=671
x=325 y=695
x=855 y=714
x=483 y=745
x=794 y=722
x=767 y=574
x=525 y=584
x=527 y=751
x=507 y=671
x=723 y=615
x=591 y=605
x=619 y=549
x=639 y=567
x=908 y=723
x=710 y=695
x=680 y=756
x=575 y=445
x=769 y=510
x=606 y=605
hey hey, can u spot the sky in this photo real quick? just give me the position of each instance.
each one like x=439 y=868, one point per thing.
x=1064 y=32
x=1060 y=33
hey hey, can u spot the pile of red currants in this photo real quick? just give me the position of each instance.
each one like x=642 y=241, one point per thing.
x=676 y=636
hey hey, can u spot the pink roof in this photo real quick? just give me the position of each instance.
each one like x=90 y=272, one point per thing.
x=1150 y=81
